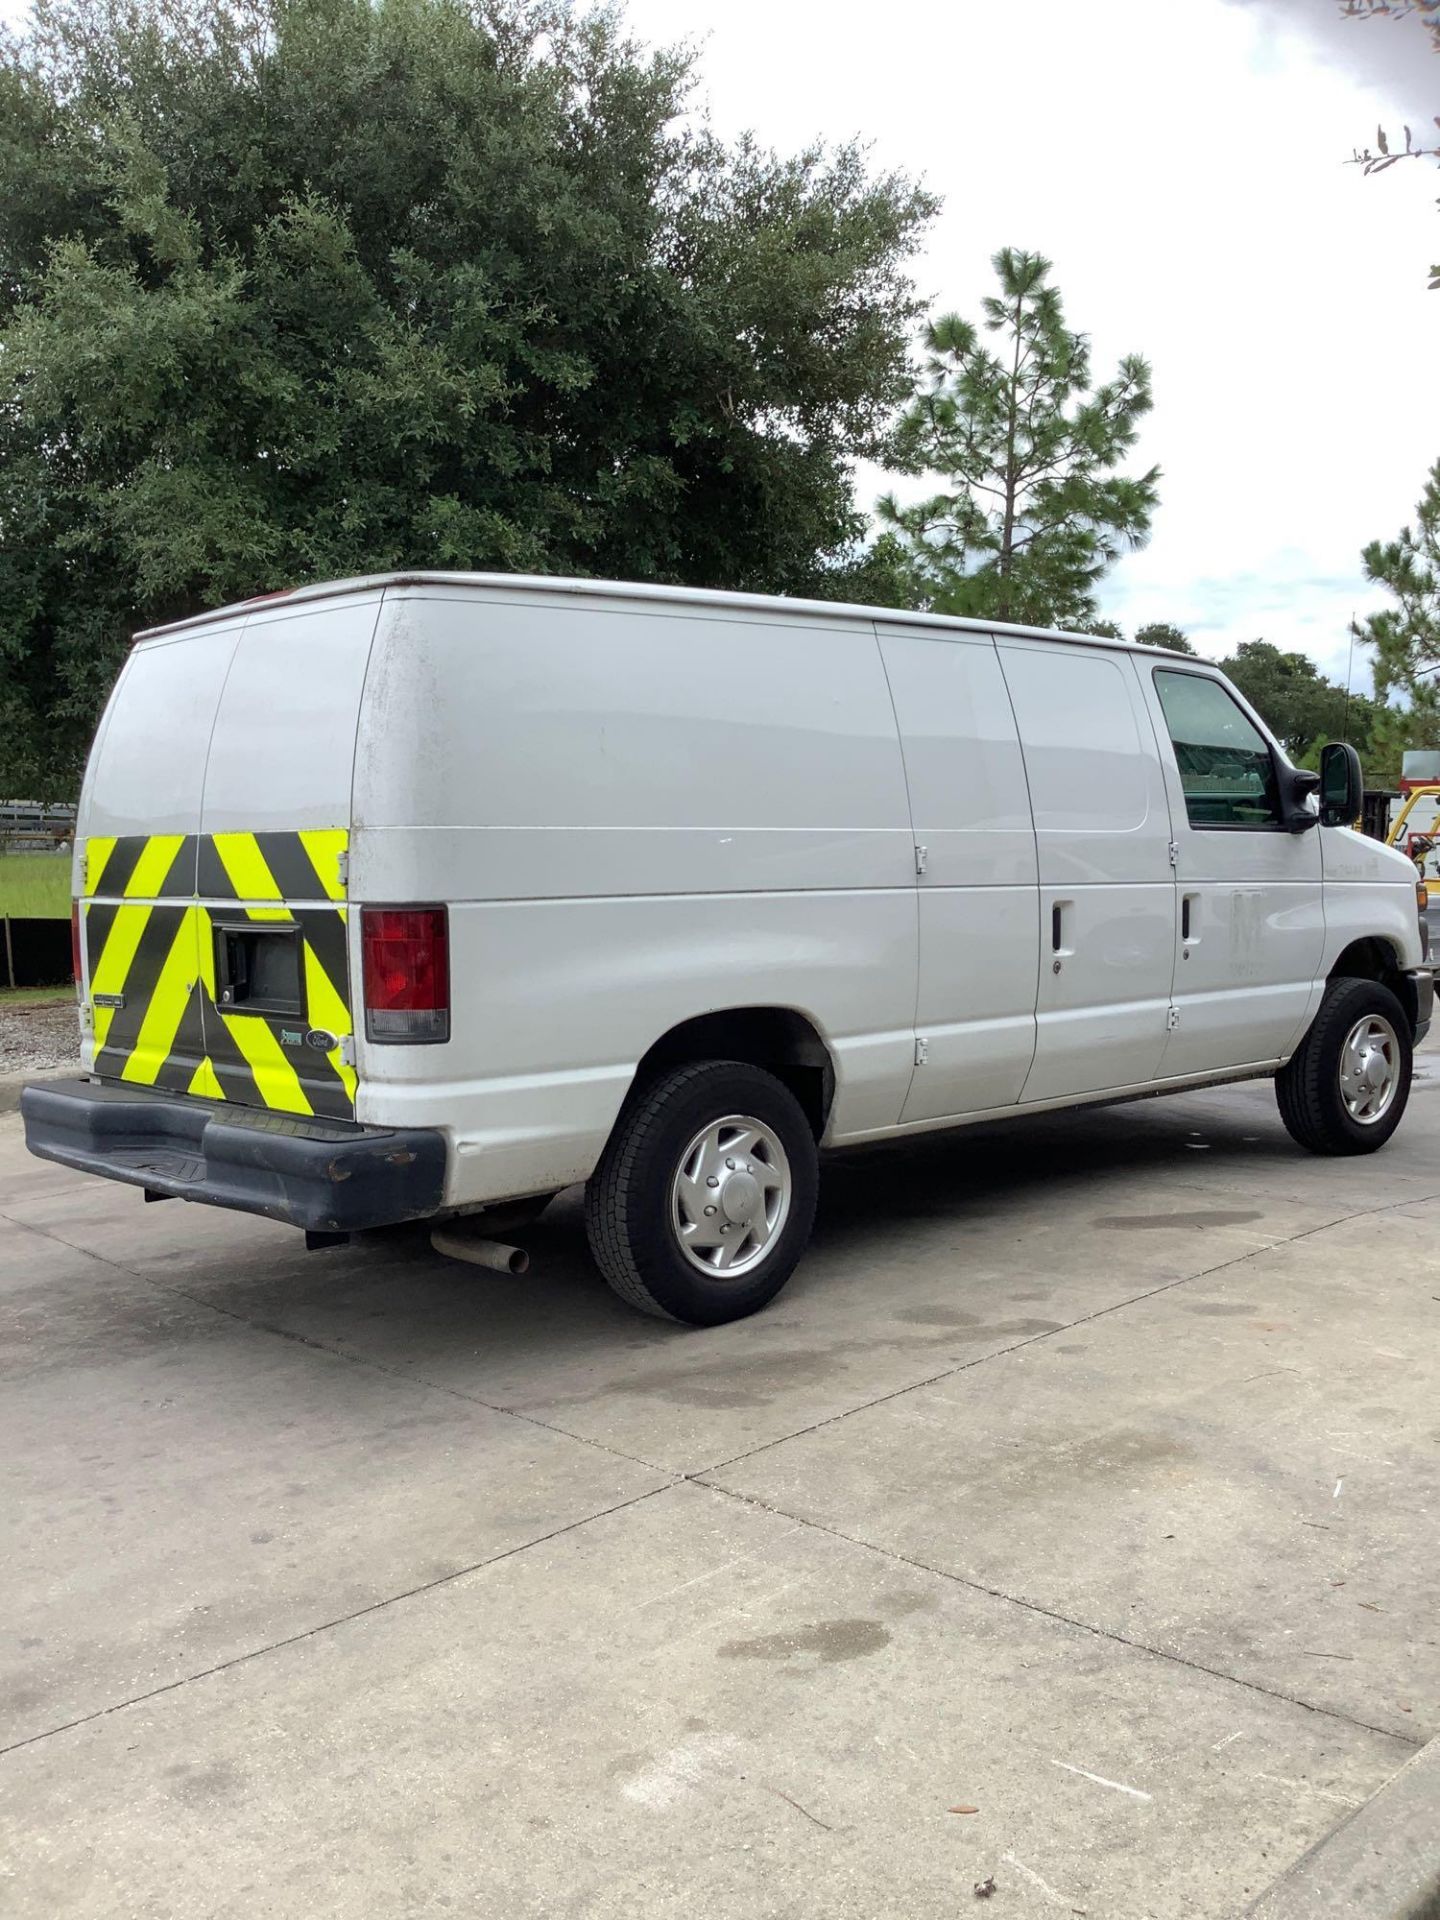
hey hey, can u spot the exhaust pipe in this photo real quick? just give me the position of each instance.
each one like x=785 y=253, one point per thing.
x=480 y=1253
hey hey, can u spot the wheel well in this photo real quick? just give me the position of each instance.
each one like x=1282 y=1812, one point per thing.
x=776 y=1038
x=1374 y=959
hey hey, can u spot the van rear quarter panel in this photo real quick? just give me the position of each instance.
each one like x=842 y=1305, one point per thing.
x=635 y=814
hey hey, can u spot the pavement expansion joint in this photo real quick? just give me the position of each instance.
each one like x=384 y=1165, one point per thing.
x=1066 y=1327
x=1051 y=1613
x=340 y=1620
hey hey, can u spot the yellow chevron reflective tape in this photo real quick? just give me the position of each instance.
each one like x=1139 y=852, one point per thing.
x=277 y=1080
x=326 y=1009
x=323 y=847
x=245 y=864
x=108 y=974
x=168 y=1000
x=268 y=913
x=204 y=1081
x=153 y=865
x=98 y=850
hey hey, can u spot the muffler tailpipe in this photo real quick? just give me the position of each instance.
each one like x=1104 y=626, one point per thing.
x=480 y=1253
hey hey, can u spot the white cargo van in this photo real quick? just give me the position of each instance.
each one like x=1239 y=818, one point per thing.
x=426 y=894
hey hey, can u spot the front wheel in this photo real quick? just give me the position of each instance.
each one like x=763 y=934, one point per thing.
x=703 y=1200
x=1346 y=1088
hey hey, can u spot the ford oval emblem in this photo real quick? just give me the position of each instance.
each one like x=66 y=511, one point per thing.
x=322 y=1041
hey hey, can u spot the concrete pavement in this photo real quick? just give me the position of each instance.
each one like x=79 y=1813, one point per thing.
x=1085 y=1477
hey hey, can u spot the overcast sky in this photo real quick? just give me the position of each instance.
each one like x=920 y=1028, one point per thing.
x=1181 y=165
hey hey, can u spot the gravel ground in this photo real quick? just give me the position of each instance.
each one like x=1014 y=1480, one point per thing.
x=33 y=1039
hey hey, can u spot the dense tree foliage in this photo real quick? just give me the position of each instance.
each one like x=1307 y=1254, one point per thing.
x=299 y=288
x=1297 y=702
x=1032 y=508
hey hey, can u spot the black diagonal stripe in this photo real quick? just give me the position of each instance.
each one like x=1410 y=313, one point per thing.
x=291 y=865
x=325 y=1090
x=100 y=873
x=139 y=983
x=212 y=882
x=179 y=881
x=99 y=919
x=322 y=929
x=187 y=1049
x=116 y=874
x=141 y=978
x=232 y=1069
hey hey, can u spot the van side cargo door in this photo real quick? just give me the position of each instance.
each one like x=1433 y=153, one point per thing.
x=1107 y=888
x=977 y=901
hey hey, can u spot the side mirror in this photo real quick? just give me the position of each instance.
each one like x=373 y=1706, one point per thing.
x=1342 y=785
x=1298 y=808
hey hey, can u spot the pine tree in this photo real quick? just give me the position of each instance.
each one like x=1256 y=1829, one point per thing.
x=1406 y=637
x=1032 y=510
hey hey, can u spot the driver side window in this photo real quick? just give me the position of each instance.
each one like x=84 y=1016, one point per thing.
x=1227 y=771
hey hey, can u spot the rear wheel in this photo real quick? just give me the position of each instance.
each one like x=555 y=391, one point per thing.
x=1346 y=1088
x=703 y=1200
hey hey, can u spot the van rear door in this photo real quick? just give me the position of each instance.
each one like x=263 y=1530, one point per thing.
x=135 y=860
x=214 y=869
x=273 y=860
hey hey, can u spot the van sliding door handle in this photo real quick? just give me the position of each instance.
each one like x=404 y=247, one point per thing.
x=1057 y=926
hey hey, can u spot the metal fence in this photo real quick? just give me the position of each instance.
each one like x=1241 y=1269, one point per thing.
x=28 y=827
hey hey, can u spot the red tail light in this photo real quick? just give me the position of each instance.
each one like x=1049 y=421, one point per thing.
x=76 y=967
x=406 y=958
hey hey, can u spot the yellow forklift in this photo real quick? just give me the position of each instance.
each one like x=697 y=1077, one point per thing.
x=1419 y=846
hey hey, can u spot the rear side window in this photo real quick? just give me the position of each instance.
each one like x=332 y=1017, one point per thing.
x=1227 y=771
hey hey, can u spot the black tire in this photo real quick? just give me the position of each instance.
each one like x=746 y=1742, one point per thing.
x=628 y=1201
x=1308 y=1087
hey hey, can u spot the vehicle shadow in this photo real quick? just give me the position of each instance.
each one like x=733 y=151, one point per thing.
x=930 y=1192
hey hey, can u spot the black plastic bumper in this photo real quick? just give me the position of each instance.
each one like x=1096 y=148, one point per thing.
x=324 y=1175
x=1424 y=981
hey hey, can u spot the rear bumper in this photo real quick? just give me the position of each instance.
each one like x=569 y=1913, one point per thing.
x=324 y=1175
x=1424 y=980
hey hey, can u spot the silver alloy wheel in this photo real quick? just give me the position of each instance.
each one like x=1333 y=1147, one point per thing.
x=730 y=1196
x=1369 y=1069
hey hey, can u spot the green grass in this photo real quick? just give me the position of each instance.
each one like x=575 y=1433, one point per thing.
x=36 y=997
x=35 y=886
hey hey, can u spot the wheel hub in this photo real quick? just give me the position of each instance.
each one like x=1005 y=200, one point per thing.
x=1370 y=1069
x=739 y=1195
x=730 y=1196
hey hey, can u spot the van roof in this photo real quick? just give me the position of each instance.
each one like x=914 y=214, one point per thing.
x=559 y=584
